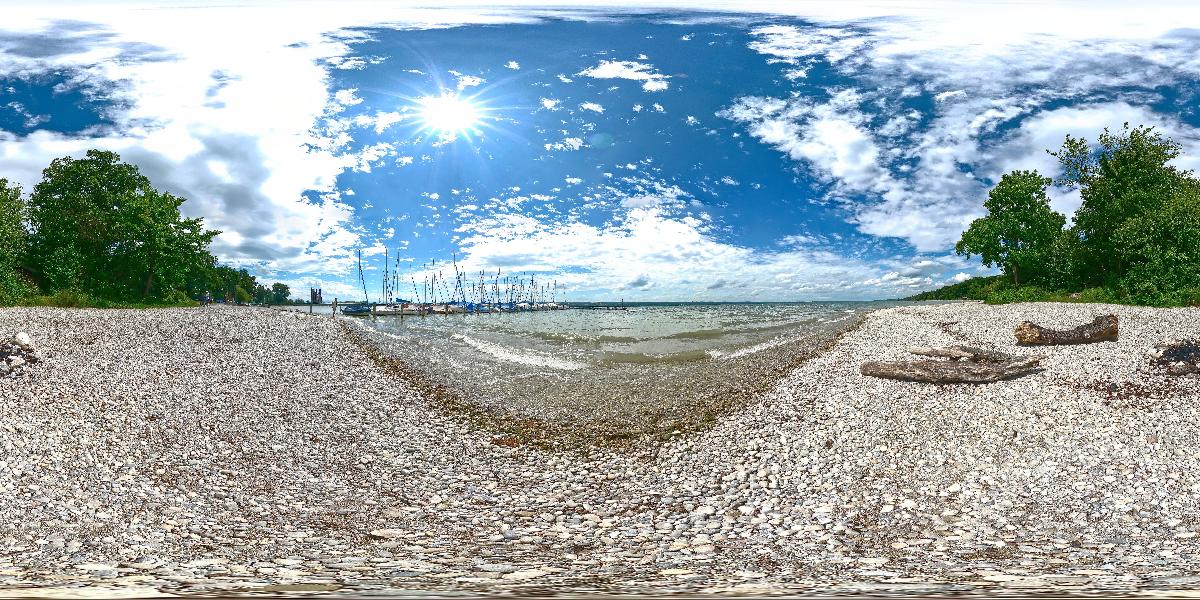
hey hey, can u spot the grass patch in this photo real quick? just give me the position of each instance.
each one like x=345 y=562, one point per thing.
x=998 y=289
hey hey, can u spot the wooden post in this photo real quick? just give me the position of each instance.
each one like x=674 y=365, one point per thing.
x=310 y=308
x=334 y=307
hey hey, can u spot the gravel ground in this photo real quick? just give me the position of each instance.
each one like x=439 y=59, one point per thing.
x=220 y=449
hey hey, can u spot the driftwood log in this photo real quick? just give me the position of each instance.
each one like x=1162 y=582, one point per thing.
x=1179 y=358
x=966 y=365
x=1102 y=329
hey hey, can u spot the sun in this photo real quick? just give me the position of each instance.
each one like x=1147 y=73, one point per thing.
x=448 y=114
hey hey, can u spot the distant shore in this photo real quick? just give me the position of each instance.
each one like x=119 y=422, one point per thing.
x=224 y=448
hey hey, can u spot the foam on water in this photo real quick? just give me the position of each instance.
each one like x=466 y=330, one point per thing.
x=514 y=355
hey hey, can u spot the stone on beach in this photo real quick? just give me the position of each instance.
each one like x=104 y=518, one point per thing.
x=23 y=340
x=17 y=352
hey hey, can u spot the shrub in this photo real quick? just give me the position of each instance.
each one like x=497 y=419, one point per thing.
x=1026 y=293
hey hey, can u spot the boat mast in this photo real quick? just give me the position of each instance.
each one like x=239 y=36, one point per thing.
x=362 y=278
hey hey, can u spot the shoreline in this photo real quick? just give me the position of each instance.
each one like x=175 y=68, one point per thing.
x=225 y=449
x=580 y=429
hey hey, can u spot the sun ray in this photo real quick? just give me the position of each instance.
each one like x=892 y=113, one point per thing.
x=449 y=114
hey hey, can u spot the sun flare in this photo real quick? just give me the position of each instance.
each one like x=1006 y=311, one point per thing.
x=448 y=114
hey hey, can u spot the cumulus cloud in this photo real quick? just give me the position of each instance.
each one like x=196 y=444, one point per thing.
x=567 y=143
x=922 y=177
x=652 y=81
x=464 y=81
x=669 y=255
x=205 y=120
x=592 y=106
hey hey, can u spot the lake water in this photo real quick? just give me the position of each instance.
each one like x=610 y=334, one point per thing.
x=641 y=368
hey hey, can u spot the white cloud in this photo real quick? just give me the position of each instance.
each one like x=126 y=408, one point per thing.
x=550 y=104
x=464 y=81
x=652 y=255
x=567 y=144
x=383 y=120
x=923 y=177
x=512 y=64
x=652 y=81
x=592 y=106
x=950 y=95
x=250 y=103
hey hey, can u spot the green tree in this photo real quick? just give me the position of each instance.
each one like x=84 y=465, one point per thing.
x=241 y=295
x=1124 y=178
x=12 y=243
x=262 y=295
x=1162 y=248
x=1019 y=230
x=99 y=226
x=280 y=293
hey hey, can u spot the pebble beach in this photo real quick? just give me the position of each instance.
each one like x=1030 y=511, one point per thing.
x=231 y=450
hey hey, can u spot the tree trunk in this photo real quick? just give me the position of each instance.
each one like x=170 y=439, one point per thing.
x=1016 y=275
x=966 y=365
x=149 y=274
x=1102 y=329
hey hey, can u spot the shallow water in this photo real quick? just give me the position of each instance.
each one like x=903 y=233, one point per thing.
x=649 y=334
x=644 y=367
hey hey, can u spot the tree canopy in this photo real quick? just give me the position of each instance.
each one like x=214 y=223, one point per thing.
x=97 y=227
x=12 y=242
x=1020 y=228
x=1135 y=237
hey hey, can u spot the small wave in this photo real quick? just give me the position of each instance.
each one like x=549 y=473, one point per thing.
x=756 y=348
x=519 y=356
x=363 y=325
x=767 y=345
x=837 y=320
x=614 y=358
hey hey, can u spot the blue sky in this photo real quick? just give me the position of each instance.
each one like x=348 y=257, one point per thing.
x=660 y=154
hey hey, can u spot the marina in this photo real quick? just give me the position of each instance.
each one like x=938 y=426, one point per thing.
x=437 y=295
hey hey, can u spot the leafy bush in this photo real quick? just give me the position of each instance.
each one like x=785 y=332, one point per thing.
x=1024 y=293
x=1101 y=295
x=976 y=288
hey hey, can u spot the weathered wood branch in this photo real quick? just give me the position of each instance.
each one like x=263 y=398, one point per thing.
x=968 y=353
x=966 y=365
x=1102 y=329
